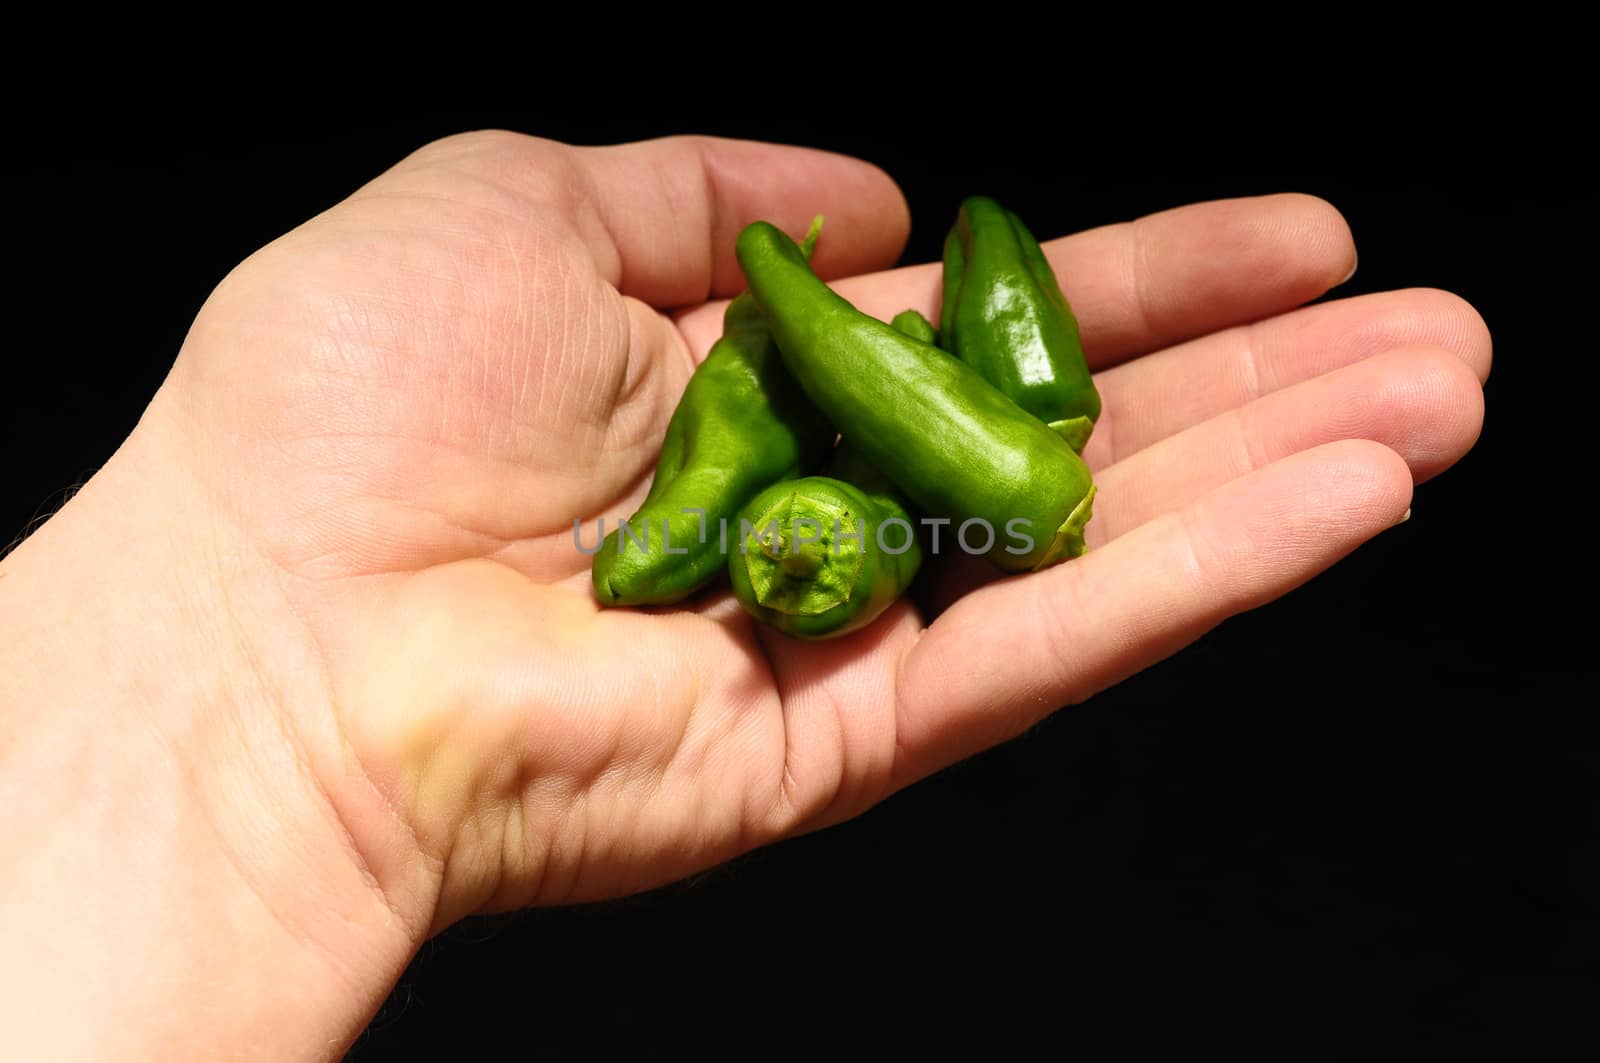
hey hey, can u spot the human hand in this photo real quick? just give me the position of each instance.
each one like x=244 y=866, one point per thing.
x=389 y=419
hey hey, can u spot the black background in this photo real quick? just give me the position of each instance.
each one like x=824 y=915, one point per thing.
x=1360 y=816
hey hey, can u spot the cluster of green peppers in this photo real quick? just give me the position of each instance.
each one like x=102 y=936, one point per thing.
x=980 y=423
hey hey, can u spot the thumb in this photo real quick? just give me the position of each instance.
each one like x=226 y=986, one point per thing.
x=659 y=217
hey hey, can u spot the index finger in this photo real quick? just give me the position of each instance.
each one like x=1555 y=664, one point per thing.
x=1141 y=285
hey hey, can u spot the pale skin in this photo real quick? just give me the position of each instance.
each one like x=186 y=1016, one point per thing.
x=310 y=669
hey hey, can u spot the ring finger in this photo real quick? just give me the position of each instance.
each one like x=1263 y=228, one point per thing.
x=1424 y=403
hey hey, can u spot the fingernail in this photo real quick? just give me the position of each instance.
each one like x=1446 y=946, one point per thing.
x=1403 y=518
x=1355 y=260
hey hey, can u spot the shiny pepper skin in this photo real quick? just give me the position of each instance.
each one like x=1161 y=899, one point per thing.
x=1004 y=314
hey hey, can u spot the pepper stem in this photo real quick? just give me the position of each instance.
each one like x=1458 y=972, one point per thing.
x=802 y=570
x=809 y=244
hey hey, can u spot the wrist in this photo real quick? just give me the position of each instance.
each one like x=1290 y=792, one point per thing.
x=189 y=835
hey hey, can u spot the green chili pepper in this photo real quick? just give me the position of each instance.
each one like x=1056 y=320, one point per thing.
x=957 y=447
x=825 y=555
x=1005 y=315
x=741 y=425
x=822 y=557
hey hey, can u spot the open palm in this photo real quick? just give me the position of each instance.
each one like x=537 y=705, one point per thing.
x=403 y=405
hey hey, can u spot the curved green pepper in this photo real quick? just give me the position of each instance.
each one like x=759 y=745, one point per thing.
x=741 y=425
x=1004 y=314
x=955 y=445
